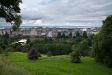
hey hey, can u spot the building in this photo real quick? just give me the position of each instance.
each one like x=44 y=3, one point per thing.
x=49 y=32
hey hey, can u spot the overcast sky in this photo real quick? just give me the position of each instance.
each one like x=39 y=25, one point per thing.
x=75 y=12
x=66 y=11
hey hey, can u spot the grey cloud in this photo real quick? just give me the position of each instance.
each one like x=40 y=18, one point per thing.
x=66 y=10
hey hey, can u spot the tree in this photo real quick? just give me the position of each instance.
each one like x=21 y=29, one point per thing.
x=70 y=35
x=59 y=35
x=78 y=34
x=75 y=56
x=63 y=35
x=84 y=48
x=103 y=43
x=5 y=40
x=78 y=38
x=85 y=35
x=9 y=10
x=90 y=39
x=28 y=45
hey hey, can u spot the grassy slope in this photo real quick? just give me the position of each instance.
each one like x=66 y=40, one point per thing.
x=59 y=65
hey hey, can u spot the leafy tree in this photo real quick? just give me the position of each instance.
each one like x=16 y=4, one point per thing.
x=103 y=43
x=9 y=10
x=63 y=35
x=18 y=47
x=59 y=35
x=90 y=39
x=5 y=41
x=49 y=53
x=70 y=35
x=78 y=38
x=78 y=34
x=75 y=56
x=84 y=48
x=85 y=35
x=28 y=45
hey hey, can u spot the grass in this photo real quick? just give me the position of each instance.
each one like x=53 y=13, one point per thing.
x=7 y=69
x=58 y=65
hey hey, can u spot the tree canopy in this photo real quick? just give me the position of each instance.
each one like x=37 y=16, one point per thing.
x=103 y=43
x=9 y=9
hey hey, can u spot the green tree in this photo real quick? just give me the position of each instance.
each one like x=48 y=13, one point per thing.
x=84 y=48
x=85 y=35
x=103 y=43
x=59 y=35
x=70 y=35
x=28 y=45
x=78 y=38
x=9 y=10
x=75 y=55
x=63 y=35
x=5 y=40
x=78 y=34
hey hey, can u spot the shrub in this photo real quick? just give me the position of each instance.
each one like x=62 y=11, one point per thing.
x=84 y=48
x=75 y=57
x=1 y=50
x=33 y=54
x=49 y=53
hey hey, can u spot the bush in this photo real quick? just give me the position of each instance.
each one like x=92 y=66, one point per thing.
x=17 y=47
x=1 y=50
x=33 y=54
x=49 y=53
x=75 y=56
x=54 y=48
x=102 y=44
x=84 y=48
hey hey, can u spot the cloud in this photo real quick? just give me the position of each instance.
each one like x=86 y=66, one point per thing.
x=65 y=10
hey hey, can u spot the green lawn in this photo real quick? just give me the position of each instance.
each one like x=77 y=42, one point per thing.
x=58 y=65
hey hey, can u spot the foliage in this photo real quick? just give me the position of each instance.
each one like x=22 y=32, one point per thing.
x=54 y=65
x=75 y=55
x=6 y=68
x=33 y=54
x=9 y=10
x=28 y=45
x=70 y=35
x=78 y=38
x=85 y=35
x=1 y=50
x=49 y=53
x=103 y=43
x=59 y=35
x=17 y=47
x=84 y=48
x=56 y=47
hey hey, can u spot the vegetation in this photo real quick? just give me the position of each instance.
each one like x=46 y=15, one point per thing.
x=55 y=47
x=103 y=43
x=75 y=56
x=55 y=65
x=33 y=54
x=84 y=48
x=9 y=10
x=6 y=68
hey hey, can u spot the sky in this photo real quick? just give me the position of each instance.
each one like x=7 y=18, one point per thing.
x=65 y=12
